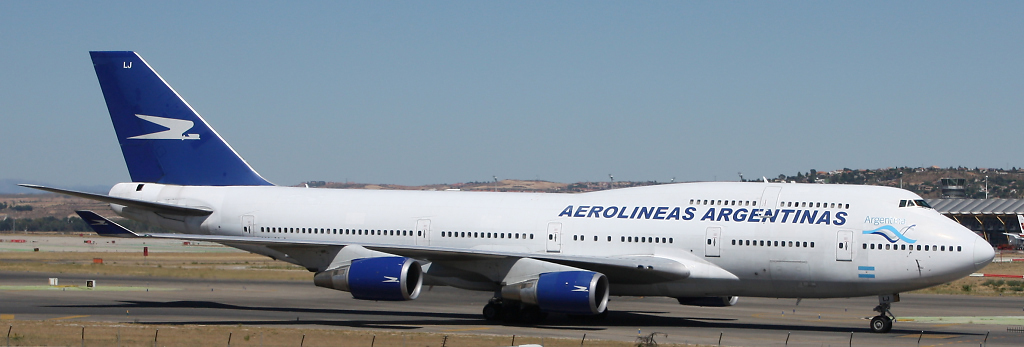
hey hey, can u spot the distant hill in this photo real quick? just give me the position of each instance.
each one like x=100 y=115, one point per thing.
x=1002 y=183
x=10 y=186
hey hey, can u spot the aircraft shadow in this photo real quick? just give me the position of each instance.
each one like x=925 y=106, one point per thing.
x=646 y=319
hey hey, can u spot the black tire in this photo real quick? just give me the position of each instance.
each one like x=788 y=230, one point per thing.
x=492 y=312
x=881 y=324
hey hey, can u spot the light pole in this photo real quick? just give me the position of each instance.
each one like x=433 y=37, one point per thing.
x=986 y=187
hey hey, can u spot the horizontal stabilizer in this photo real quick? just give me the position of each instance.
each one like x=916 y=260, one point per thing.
x=145 y=205
x=103 y=226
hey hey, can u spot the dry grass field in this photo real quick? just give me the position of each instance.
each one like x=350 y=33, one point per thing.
x=56 y=333
x=234 y=266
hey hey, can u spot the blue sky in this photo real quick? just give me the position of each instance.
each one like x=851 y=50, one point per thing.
x=428 y=92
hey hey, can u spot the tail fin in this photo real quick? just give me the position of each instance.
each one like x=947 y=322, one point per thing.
x=104 y=226
x=162 y=138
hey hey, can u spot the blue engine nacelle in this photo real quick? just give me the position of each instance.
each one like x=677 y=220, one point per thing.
x=572 y=292
x=380 y=278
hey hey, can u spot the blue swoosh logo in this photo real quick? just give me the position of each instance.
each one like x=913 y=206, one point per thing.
x=898 y=235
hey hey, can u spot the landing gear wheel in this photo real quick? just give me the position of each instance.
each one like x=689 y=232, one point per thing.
x=492 y=311
x=881 y=324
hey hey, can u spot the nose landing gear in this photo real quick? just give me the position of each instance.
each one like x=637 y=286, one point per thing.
x=882 y=323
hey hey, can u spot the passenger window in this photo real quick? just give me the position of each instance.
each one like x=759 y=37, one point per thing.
x=531 y=236
x=812 y=244
x=805 y=244
x=943 y=248
x=609 y=239
x=840 y=245
x=551 y=237
x=926 y=247
x=670 y=240
x=762 y=243
x=958 y=249
x=872 y=246
x=748 y=242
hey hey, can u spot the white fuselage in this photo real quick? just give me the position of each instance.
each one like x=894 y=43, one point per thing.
x=779 y=240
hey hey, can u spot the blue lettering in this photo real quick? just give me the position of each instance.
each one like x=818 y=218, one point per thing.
x=660 y=212
x=646 y=213
x=840 y=218
x=581 y=212
x=724 y=213
x=634 y=212
x=809 y=217
x=674 y=214
x=825 y=218
x=785 y=214
x=689 y=213
x=610 y=211
x=754 y=215
x=709 y=215
x=621 y=211
x=595 y=212
x=770 y=216
x=566 y=212
x=740 y=215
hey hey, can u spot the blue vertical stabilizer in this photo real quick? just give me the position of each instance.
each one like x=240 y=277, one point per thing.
x=162 y=138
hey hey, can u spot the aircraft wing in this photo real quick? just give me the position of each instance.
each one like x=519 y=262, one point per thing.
x=145 y=205
x=635 y=269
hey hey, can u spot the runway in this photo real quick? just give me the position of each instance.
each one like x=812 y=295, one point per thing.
x=753 y=322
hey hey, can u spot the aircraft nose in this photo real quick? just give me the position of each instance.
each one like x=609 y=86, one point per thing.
x=983 y=253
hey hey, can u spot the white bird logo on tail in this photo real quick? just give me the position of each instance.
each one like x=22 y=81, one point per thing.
x=176 y=129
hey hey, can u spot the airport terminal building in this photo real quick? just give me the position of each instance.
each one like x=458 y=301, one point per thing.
x=990 y=218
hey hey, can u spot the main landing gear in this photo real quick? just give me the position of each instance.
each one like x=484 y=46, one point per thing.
x=509 y=311
x=882 y=323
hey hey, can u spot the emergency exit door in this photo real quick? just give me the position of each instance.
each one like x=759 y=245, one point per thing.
x=712 y=246
x=844 y=244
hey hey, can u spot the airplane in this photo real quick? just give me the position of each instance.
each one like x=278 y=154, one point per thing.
x=1014 y=240
x=703 y=243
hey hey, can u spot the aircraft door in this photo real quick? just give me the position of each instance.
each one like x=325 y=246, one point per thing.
x=844 y=245
x=248 y=224
x=770 y=197
x=423 y=232
x=554 y=237
x=712 y=246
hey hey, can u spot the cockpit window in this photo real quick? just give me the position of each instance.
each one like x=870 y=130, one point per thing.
x=912 y=203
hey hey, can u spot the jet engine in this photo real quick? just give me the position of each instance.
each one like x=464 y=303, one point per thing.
x=709 y=301
x=379 y=278
x=572 y=292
